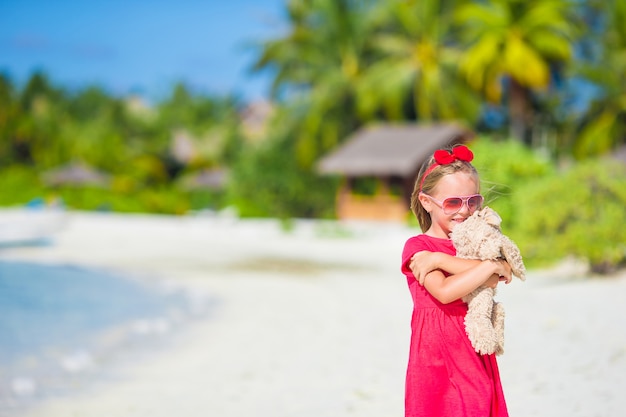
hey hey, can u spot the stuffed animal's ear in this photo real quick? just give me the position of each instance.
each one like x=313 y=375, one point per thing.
x=513 y=256
x=491 y=217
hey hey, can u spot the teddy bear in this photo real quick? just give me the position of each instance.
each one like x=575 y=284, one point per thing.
x=480 y=237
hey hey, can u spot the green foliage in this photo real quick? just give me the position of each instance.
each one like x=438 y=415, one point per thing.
x=552 y=214
x=579 y=212
x=318 y=65
x=206 y=199
x=269 y=182
x=603 y=125
x=417 y=67
x=43 y=127
x=196 y=112
x=504 y=167
x=19 y=185
x=160 y=200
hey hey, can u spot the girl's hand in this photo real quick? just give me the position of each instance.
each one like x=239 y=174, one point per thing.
x=422 y=263
x=493 y=281
x=503 y=270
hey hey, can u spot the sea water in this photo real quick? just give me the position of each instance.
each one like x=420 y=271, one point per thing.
x=61 y=325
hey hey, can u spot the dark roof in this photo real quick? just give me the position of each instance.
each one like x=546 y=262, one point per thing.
x=384 y=150
x=76 y=174
x=620 y=154
x=206 y=179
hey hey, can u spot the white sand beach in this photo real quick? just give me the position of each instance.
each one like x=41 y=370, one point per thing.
x=315 y=322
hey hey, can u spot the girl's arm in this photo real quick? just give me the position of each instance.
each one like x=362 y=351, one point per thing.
x=451 y=288
x=424 y=262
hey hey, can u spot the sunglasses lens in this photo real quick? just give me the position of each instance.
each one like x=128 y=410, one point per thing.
x=474 y=203
x=452 y=205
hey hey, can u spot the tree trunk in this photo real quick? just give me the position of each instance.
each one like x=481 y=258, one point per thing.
x=519 y=112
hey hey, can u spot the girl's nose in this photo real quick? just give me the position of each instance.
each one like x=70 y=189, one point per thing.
x=465 y=208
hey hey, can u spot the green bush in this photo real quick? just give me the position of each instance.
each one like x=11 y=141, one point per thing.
x=504 y=167
x=580 y=212
x=158 y=200
x=19 y=185
x=269 y=182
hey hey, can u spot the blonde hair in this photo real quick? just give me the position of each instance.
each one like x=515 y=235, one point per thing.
x=428 y=184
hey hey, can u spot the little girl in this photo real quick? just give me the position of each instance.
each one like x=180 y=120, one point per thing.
x=445 y=376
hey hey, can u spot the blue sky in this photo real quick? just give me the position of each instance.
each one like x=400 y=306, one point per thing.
x=141 y=46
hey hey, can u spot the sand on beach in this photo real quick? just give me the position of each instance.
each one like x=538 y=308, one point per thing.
x=315 y=321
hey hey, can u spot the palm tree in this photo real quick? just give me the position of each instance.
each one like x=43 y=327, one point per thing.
x=604 y=124
x=518 y=42
x=417 y=66
x=10 y=114
x=37 y=121
x=318 y=65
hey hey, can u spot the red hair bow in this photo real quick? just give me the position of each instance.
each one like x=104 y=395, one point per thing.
x=444 y=157
x=461 y=152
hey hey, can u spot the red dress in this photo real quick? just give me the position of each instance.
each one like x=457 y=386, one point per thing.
x=445 y=376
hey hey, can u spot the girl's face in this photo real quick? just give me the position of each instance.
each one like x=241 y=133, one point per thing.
x=459 y=184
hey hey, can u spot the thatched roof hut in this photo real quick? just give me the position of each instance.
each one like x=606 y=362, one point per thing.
x=620 y=154
x=76 y=174
x=392 y=154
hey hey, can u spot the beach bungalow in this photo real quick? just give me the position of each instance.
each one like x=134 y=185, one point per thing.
x=391 y=156
x=620 y=154
x=76 y=174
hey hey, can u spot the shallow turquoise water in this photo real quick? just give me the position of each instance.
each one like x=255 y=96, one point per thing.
x=62 y=323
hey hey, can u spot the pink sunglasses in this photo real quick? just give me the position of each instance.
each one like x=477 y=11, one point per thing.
x=453 y=205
